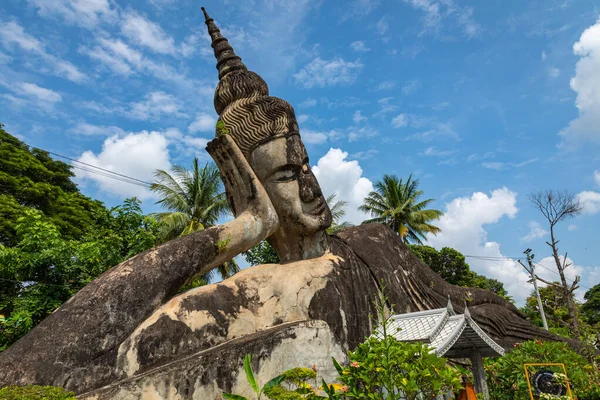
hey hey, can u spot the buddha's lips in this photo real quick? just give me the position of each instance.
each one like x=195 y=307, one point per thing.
x=319 y=208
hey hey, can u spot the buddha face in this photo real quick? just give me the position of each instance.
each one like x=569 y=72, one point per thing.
x=282 y=167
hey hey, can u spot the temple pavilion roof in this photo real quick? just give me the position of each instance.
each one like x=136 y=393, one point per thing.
x=447 y=333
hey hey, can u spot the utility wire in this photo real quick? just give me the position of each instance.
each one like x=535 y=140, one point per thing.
x=556 y=273
x=491 y=258
x=94 y=166
x=97 y=170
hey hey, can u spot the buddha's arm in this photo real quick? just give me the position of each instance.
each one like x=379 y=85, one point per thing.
x=113 y=305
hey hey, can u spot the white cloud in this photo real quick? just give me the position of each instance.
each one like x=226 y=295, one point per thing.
x=204 y=123
x=597 y=177
x=572 y=227
x=463 y=228
x=359 y=8
x=322 y=73
x=400 y=121
x=86 y=13
x=13 y=34
x=385 y=85
x=146 y=33
x=382 y=26
x=121 y=59
x=364 y=132
x=544 y=56
x=501 y=166
x=86 y=129
x=156 y=104
x=312 y=137
x=433 y=152
x=302 y=118
x=338 y=175
x=590 y=201
x=435 y=11
x=411 y=87
x=535 y=232
x=308 y=103
x=5 y=59
x=359 y=46
x=590 y=276
x=553 y=72
x=357 y=117
x=137 y=155
x=39 y=93
x=586 y=127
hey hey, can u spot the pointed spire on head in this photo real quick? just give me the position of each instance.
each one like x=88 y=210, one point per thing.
x=227 y=60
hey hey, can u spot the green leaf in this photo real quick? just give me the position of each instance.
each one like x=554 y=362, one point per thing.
x=229 y=396
x=274 y=382
x=337 y=366
x=250 y=374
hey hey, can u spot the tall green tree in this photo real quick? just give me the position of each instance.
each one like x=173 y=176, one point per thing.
x=590 y=309
x=450 y=264
x=195 y=200
x=396 y=203
x=338 y=212
x=30 y=178
x=45 y=268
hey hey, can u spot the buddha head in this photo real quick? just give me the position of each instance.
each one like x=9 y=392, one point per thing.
x=266 y=131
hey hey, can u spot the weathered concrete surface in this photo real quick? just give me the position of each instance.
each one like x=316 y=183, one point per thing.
x=193 y=345
x=206 y=374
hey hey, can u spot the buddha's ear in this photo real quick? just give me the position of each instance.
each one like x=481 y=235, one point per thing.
x=240 y=181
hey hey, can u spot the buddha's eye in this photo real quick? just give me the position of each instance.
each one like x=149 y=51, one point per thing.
x=286 y=174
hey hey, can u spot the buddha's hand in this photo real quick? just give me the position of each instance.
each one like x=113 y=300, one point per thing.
x=244 y=191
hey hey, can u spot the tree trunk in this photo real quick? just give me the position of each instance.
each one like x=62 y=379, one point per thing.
x=565 y=285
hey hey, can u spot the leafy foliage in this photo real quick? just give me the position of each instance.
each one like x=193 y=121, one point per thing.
x=30 y=178
x=32 y=392
x=555 y=308
x=590 y=309
x=196 y=200
x=258 y=391
x=262 y=253
x=45 y=269
x=385 y=369
x=396 y=204
x=338 y=212
x=506 y=376
x=450 y=264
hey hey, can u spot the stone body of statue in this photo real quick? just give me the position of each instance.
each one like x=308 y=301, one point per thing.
x=128 y=335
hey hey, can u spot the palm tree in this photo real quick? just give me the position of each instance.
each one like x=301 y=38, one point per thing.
x=338 y=211
x=195 y=200
x=396 y=204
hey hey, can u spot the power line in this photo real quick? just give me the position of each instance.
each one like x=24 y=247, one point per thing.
x=556 y=273
x=94 y=166
x=98 y=170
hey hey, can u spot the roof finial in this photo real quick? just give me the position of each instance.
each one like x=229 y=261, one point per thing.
x=449 y=307
x=227 y=60
x=466 y=312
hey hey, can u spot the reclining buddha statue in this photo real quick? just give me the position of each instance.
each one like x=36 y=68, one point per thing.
x=129 y=334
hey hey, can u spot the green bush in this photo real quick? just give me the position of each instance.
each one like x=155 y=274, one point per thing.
x=32 y=392
x=506 y=375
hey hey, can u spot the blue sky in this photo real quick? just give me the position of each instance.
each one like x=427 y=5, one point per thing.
x=482 y=101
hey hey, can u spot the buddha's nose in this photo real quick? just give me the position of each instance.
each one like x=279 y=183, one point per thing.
x=309 y=187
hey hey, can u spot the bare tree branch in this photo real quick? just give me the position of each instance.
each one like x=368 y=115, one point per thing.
x=556 y=206
x=548 y=282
